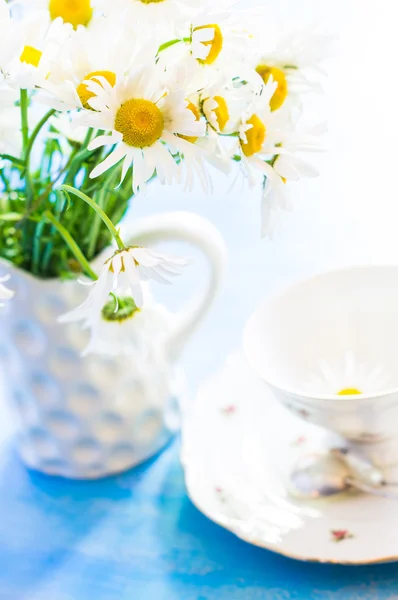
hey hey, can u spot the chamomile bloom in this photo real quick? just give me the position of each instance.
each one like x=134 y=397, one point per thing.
x=126 y=269
x=148 y=125
x=28 y=48
x=103 y=51
x=123 y=328
x=74 y=12
x=224 y=102
x=212 y=45
x=259 y=134
x=5 y=292
x=294 y=63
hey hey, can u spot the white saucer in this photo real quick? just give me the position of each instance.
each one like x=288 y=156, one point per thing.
x=238 y=444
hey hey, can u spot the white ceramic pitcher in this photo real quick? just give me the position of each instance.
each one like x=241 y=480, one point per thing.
x=89 y=417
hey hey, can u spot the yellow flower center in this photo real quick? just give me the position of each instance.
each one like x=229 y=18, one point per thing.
x=85 y=94
x=255 y=136
x=75 y=12
x=151 y=1
x=194 y=110
x=349 y=392
x=279 y=76
x=215 y=44
x=31 y=56
x=221 y=112
x=140 y=122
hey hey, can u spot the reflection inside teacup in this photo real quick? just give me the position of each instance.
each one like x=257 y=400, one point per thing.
x=347 y=377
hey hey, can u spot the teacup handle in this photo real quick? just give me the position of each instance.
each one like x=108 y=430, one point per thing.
x=191 y=228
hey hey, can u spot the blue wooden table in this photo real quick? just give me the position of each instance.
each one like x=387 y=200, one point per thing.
x=138 y=537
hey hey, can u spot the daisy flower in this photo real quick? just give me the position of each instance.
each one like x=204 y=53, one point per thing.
x=224 y=102
x=5 y=292
x=103 y=51
x=196 y=151
x=125 y=269
x=123 y=328
x=212 y=45
x=74 y=12
x=147 y=126
x=294 y=63
x=28 y=48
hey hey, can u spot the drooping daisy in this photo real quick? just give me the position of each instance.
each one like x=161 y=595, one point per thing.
x=123 y=328
x=147 y=123
x=125 y=269
x=28 y=48
x=5 y=292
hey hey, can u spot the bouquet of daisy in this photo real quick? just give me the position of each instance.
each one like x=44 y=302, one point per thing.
x=96 y=101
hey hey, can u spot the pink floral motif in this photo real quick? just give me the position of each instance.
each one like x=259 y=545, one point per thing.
x=220 y=493
x=229 y=410
x=338 y=535
x=304 y=414
x=299 y=441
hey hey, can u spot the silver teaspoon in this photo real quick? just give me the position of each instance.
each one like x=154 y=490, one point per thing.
x=323 y=475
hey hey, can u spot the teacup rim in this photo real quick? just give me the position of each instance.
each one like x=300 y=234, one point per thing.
x=290 y=287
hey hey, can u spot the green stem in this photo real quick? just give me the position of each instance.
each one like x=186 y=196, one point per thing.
x=167 y=45
x=75 y=158
x=24 y=101
x=95 y=230
x=106 y=220
x=173 y=43
x=37 y=238
x=89 y=135
x=73 y=247
x=5 y=181
x=14 y=159
x=24 y=105
x=35 y=133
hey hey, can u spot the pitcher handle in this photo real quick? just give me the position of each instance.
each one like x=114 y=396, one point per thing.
x=191 y=228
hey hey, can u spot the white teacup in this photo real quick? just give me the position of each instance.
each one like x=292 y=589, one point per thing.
x=328 y=347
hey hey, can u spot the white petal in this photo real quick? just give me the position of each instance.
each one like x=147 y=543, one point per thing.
x=112 y=159
x=105 y=140
x=117 y=262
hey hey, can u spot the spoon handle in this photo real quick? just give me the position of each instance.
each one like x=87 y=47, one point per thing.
x=363 y=487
